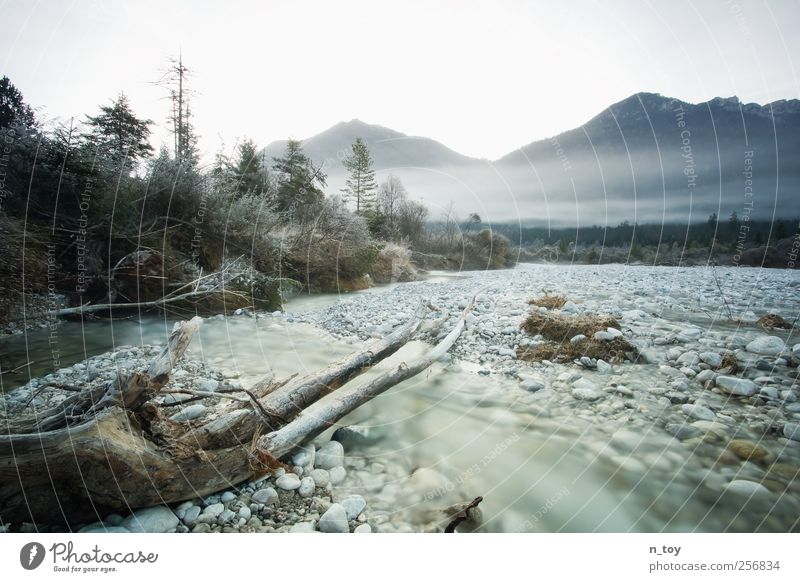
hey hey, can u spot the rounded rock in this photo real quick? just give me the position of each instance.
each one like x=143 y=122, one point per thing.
x=334 y=520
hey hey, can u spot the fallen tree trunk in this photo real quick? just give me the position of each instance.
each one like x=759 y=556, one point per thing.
x=113 y=449
x=324 y=414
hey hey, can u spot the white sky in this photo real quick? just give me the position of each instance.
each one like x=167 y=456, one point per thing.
x=483 y=77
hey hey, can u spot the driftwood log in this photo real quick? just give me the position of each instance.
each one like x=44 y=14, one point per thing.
x=115 y=449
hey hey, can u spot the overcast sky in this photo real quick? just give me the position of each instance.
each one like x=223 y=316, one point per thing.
x=483 y=77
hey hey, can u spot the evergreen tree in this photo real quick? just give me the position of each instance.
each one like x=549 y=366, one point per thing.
x=360 y=185
x=119 y=134
x=248 y=170
x=299 y=192
x=12 y=105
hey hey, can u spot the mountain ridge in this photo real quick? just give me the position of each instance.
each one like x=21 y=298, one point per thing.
x=646 y=156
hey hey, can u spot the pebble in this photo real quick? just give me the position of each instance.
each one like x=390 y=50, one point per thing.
x=698 y=412
x=791 y=431
x=214 y=510
x=321 y=477
x=736 y=386
x=363 y=528
x=747 y=450
x=305 y=456
x=334 y=520
x=330 y=455
x=353 y=506
x=191 y=515
x=713 y=359
x=288 y=482
x=766 y=346
x=151 y=520
x=583 y=389
x=267 y=496
x=306 y=488
x=748 y=488
x=191 y=412
x=337 y=475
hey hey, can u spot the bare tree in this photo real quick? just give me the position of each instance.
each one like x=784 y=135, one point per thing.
x=174 y=80
x=391 y=195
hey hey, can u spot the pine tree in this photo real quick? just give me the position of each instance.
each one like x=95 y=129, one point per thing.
x=248 y=169
x=299 y=192
x=360 y=185
x=12 y=106
x=119 y=134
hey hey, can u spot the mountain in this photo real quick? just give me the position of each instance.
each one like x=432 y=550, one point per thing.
x=389 y=148
x=648 y=158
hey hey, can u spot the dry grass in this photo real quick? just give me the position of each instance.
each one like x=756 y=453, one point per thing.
x=549 y=301
x=773 y=321
x=729 y=365
x=557 y=329
x=616 y=350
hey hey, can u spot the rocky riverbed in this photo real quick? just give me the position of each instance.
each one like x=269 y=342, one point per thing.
x=699 y=433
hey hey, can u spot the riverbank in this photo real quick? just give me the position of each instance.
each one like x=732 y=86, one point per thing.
x=699 y=434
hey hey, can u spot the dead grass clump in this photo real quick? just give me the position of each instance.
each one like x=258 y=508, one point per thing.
x=561 y=328
x=773 y=321
x=558 y=329
x=729 y=365
x=616 y=350
x=549 y=301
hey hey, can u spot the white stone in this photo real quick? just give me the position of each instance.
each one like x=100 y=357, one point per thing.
x=288 y=482
x=736 y=386
x=688 y=359
x=215 y=509
x=698 y=412
x=744 y=487
x=267 y=496
x=334 y=520
x=766 y=345
x=330 y=455
x=604 y=367
x=321 y=477
x=353 y=505
x=337 y=475
x=713 y=359
x=305 y=456
x=363 y=528
x=151 y=520
x=791 y=431
x=191 y=515
x=306 y=488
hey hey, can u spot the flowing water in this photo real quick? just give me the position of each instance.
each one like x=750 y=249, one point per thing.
x=540 y=463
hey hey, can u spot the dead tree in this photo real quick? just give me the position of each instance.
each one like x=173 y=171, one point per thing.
x=115 y=449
